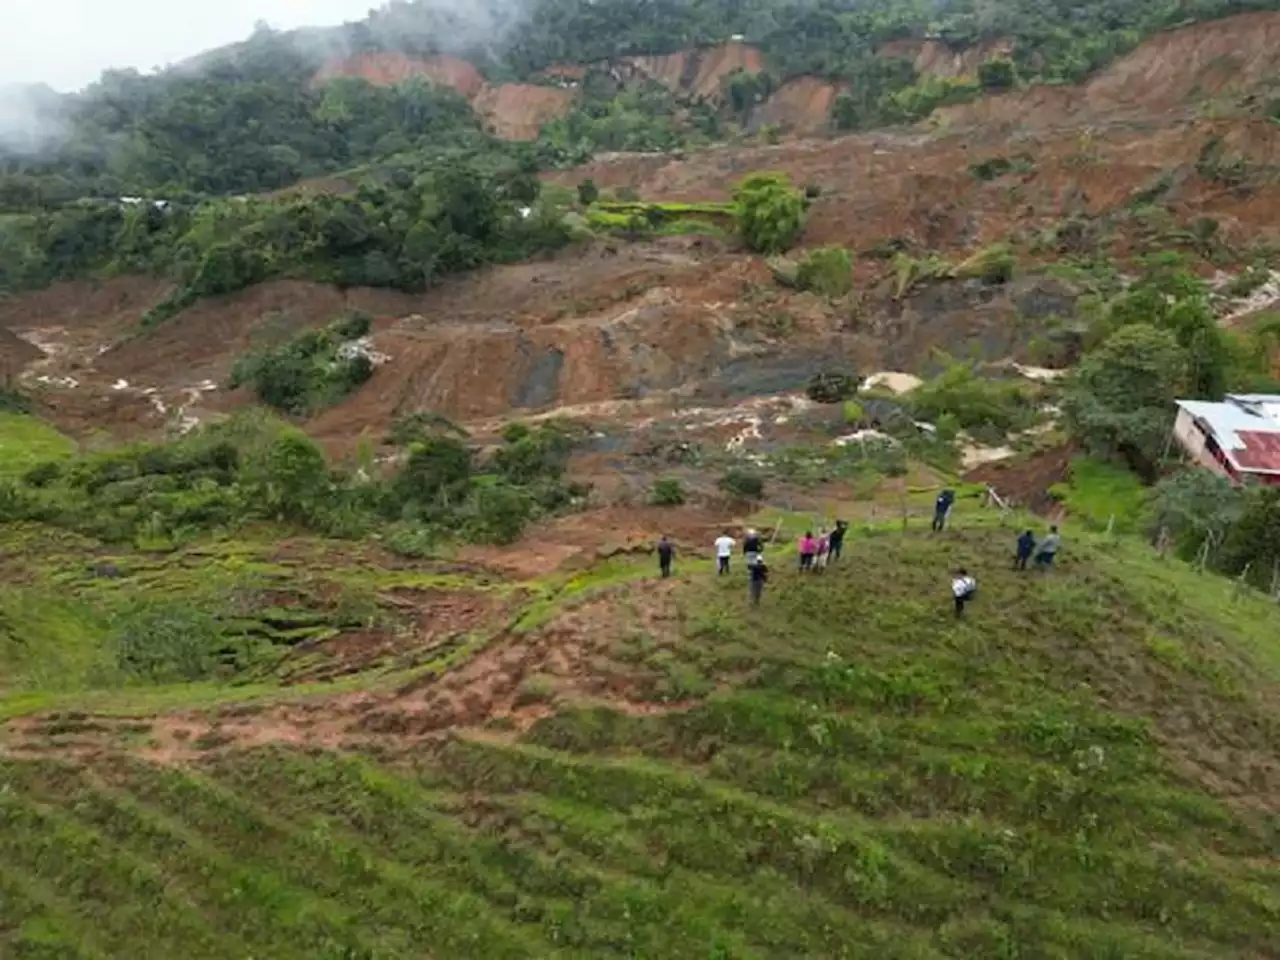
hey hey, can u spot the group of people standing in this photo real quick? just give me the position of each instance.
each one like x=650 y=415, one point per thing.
x=815 y=554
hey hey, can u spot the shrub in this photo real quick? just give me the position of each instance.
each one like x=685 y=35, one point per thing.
x=994 y=167
x=830 y=387
x=287 y=479
x=827 y=271
x=997 y=73
x=312 y=371
x=742 y=484
x=994 y=264
x=500 y=514
x=14 y=401
x=974 y=403
x=166 y=643
x=667 y=492
x=588 y=192
x=770 y=212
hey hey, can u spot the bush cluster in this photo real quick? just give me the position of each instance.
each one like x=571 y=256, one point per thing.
x=310 y=372
x=253 y=467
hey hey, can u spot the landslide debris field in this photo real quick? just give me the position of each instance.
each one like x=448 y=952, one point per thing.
x=1168 y=148
x=602 y=766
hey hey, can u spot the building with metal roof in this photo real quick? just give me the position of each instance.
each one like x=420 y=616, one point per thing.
x=1238 y=438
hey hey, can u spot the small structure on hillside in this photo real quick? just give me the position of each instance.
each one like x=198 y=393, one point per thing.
x=1238 y=438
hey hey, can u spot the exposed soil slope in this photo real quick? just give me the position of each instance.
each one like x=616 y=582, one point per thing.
x=802 y=105
x=516 y=111
x=386 y=69
x=699 y=72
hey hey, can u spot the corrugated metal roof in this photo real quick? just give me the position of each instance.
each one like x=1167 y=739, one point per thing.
x=1249 y=440
x=1261 y=453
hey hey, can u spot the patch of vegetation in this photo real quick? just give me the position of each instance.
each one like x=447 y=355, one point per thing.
x=832 y=387
x=667 y=492
x=311 y=372
x=995 y=167
x=27 y=441
x=997 y=74
x=770 y=212
x=975 y=403
x=827 y=271
x=634 y=218
x=251 y=467
x=742 y=484
x=1104 y=495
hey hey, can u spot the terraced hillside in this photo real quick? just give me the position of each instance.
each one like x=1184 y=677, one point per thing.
x=1078 y=768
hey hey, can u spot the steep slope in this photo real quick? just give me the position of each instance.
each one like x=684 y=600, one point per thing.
x=699 y=72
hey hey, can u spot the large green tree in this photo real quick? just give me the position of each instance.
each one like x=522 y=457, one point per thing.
x=1119 y=401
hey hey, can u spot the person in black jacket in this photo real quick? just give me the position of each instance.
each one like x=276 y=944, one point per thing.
x=751 y=547
x=835 y=542
x=666 y=553
x=758 y=574
x=1026 y=544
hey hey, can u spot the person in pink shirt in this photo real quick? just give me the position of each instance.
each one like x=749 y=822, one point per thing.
x=808 y=550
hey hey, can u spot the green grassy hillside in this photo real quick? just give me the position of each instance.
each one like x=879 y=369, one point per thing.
x=1086 y=765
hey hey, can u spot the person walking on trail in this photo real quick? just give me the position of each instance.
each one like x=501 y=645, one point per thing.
x=1048 y=549
x=1026 y=545
x=724 y=551
x=751 y=548
x=835 y=542
x=963 y=589
x=666 y=553
x=824 y=546
x=942 y=509
x=757 y=576
x=808 y=549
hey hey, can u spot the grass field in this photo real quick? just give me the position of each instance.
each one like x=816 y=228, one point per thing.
x=1086 y=765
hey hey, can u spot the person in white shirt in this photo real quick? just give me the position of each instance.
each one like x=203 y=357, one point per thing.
x=724 y=550
x=963 y=587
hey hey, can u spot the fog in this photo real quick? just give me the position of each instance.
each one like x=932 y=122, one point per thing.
x=68 y=43
x=64 y=45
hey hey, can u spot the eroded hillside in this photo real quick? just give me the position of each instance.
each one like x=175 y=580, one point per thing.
x=615 y=320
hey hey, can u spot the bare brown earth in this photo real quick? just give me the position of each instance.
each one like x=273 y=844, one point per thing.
x=386 y=69
x=698 y=73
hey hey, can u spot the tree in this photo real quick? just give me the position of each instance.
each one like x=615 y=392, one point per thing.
x=770 y=212
x=1195 y=503
x=1119 y=402
x=1253 y=542
x=287 y=479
